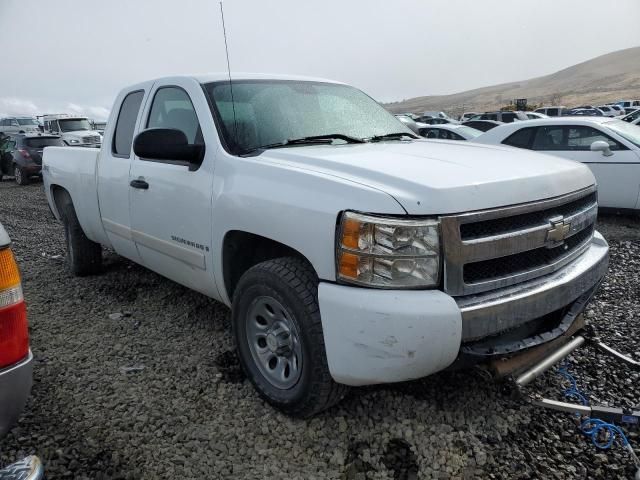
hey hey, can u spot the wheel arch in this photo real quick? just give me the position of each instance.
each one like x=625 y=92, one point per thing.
x=241 y=250
x=60 y=196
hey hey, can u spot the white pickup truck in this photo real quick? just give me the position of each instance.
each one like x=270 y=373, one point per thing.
x=351 y=251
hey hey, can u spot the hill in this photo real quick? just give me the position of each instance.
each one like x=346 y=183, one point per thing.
x=603 y=79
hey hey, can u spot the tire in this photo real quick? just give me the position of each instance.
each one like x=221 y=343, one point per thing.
x=291 y=284
x=21 y=178
x=84 y=257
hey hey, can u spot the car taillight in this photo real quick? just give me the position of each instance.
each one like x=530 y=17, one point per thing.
x=14 y=330
x=25 y=153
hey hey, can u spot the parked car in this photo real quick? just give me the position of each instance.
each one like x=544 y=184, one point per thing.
x=482 y=125
x=75 y=131
x=504 y=117
x=629 y=103
x=620 y=111
x=535 y=115
x=584 y=112
x=434 y=114
x=11 y=125
x=450 y=132
x=99 y=127
x=466 y=116
x=16 y=359
x=437 y=121
x=25 y=159
x=632 y=117
x=327 y=226
x=557 y=111
x=610 y=147
x=409 y=122
x=608 y=111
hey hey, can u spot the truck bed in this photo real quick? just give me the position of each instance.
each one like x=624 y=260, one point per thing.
x=74 y=169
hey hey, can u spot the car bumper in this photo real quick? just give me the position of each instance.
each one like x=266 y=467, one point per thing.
x=15 y=386
x=381 y=336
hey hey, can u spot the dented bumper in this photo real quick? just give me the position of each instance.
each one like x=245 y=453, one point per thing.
x=382 y=336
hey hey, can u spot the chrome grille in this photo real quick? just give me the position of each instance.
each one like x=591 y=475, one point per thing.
x=496 y=248
x=91 y=139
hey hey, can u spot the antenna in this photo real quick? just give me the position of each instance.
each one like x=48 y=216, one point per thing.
x=233 y=103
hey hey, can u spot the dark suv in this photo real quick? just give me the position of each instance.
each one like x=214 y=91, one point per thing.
x=25 y=156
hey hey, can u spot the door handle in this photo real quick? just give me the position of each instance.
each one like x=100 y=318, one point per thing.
x=141 y=184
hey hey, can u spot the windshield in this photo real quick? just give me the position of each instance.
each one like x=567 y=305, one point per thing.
x=27 y=121
x=274 y=111
x=74 y=124
x=468 y=132
x=626 y=130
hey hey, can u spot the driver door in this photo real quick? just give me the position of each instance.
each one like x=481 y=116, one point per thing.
x=170 y=202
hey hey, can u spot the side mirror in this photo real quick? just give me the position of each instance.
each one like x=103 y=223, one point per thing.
x=168 y=144
x=601 y=146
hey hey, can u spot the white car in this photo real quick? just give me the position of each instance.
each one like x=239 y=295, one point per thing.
x=15 y=125
x=608 y=110
x=551 y=111
x=351 y=251
x=610 y=147
x=449 y=132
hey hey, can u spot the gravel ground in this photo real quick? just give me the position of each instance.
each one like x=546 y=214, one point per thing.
x=135 y=378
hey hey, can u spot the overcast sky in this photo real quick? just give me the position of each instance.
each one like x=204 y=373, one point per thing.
x=74 y=55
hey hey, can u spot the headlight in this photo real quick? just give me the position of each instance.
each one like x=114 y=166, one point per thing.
x=74 y=141
x=388 y=252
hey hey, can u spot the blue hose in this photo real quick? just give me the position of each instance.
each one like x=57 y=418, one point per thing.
x=592 y=427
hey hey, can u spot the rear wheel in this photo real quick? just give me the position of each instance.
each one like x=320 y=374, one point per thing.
x=84 y=256
x=20 y=175
x=278 y=332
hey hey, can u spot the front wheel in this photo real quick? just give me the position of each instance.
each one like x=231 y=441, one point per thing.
x=20 y=175
x=278 y=332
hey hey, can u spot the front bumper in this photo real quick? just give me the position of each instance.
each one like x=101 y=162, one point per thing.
x=381 y=336
x=15 y=386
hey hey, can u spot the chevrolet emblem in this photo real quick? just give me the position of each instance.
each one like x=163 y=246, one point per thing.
x=559 y=231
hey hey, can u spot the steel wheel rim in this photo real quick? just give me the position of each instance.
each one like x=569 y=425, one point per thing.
x=18 y=174
x=274 y=342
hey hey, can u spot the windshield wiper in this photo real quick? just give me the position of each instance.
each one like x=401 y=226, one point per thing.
x=391 y=136
x=310 y=140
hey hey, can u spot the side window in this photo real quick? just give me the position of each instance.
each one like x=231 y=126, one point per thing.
x=581 y=137
x=552 y=112
x=14 y=123
x=431 y=132
x=123 y=134
x=508 y=117
x=549 y=138
x=521 y=139
x=172 y=108
x=53 y=126
x=455 y=136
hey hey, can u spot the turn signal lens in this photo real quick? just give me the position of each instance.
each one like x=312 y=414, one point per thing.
x=14 y=329
x=9 y=273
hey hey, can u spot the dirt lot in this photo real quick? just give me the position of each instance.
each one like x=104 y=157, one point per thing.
x=135 y=378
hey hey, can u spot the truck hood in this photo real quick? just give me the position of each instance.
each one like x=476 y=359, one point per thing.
x=442 y=177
